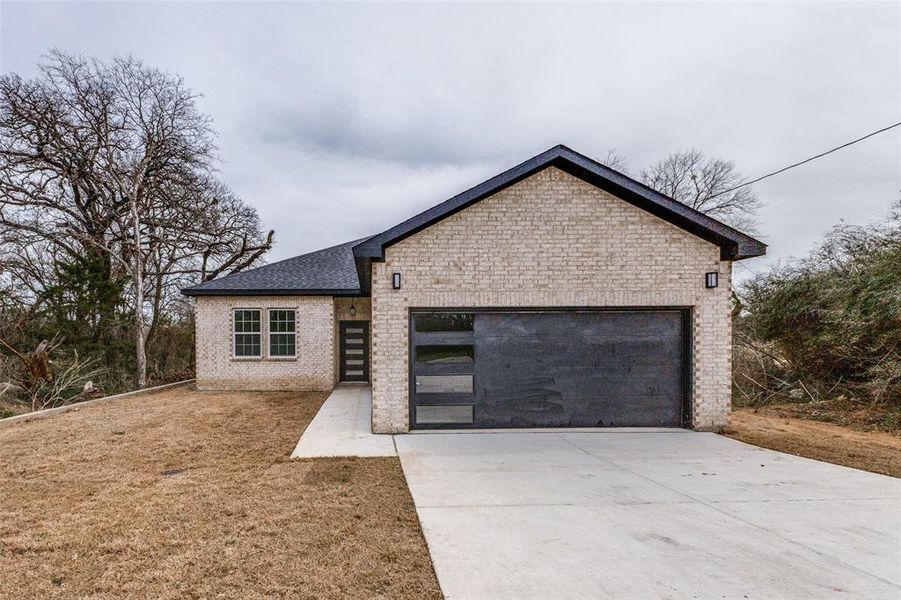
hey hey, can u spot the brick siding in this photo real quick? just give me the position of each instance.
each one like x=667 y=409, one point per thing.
x=312 y=369
x=552 y=240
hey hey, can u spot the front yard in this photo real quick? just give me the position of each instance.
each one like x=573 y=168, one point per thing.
x=191 y=494
x=876 y=451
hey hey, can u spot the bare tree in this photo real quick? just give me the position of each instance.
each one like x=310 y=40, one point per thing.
x=703 y=183
x=105 y=165
x=615 y=161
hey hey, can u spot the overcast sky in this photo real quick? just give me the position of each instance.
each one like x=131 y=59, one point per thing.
x=340 y=120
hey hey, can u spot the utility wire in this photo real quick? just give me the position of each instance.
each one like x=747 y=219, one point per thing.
x=807 y=160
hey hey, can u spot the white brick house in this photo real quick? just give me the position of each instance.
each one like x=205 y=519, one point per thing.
x=558 y=293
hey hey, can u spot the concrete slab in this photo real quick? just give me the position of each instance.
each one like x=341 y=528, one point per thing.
x=648 y=514
x=342 y=427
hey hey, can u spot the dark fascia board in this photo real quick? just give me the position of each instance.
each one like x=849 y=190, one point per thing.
x=269 y=292
x=364 y=273
x=734 y=245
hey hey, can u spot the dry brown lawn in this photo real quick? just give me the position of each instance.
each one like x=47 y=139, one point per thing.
x=191 y=494
x=874 y=451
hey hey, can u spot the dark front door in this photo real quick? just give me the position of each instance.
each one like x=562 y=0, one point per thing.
x=354 y=350
x=564 y=368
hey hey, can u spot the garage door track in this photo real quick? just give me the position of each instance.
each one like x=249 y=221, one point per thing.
x=626 y=514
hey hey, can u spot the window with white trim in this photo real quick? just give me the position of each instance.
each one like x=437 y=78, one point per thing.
x=282 y=333
x=248 y=334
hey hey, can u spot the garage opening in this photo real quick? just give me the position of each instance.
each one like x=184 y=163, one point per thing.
x=549 y=368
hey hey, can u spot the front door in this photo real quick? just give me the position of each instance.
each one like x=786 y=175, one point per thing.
x=354 y=353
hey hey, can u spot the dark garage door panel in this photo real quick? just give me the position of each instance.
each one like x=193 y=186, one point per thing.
x=579 y=369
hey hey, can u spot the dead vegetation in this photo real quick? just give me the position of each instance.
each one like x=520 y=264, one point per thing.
x=191 y=494
x=878 y=452
x=45 y=381
x=823 y=334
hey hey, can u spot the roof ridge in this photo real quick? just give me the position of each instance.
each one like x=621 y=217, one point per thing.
x=284 y=260
x=734 y=244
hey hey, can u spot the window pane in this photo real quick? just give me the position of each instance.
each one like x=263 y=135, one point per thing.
x=443 y=414
x=247 y=321
x=441 y=322
x=247 y=344
x=281 y=321
x=444 y=384
x=437 y=355
x=281 y=344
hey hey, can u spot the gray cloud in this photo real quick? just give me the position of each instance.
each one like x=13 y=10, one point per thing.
x=344 y=129
x=339 y=120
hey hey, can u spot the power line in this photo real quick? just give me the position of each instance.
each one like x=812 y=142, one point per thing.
x=807 y=160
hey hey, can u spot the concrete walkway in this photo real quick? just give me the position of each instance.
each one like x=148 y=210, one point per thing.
x=648 y=515
x=342 y=427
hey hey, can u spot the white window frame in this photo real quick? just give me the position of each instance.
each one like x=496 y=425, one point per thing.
x=269 y=333
x=235 y=335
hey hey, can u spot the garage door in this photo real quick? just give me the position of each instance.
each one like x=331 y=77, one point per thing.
x=548 y=369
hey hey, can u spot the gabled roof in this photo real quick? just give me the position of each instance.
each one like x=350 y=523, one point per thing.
x=328 y=272
x=733 y=244
x=342 y=270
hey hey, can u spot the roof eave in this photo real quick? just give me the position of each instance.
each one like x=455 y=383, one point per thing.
x=748 y=249
x=191 y=292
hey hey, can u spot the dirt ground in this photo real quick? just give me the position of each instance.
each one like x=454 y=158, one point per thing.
x=874 y=451
x=863 y=416
x=191 y=494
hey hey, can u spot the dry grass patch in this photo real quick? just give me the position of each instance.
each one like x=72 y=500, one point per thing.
x=191 y=494
x=863 y=416
x=870 y=451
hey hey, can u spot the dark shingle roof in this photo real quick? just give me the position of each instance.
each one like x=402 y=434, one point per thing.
x=734 y=245
x=329 y=272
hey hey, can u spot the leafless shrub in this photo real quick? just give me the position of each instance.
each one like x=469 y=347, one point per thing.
x=47 y=379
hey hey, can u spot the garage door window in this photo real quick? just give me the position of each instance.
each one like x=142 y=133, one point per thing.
x=444 y=322
x=444 y=384
x=443 y=360
x=445 y=354
x=444 y=415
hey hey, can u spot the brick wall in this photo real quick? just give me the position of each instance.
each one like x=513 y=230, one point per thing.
x=552 y=240
x=312 y=369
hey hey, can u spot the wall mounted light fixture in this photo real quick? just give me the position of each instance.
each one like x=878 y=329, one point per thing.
x=711 y=280
x=353 y=310
x=395 y=280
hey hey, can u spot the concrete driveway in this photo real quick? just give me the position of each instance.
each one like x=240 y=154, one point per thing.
x=673 y=514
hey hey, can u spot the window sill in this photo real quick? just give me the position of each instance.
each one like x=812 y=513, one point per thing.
x=282 y=358
x=247 y=358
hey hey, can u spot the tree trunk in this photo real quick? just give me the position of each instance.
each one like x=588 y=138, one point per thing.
x=138 y=279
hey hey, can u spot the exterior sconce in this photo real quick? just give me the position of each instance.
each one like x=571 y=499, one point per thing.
x=711 y=280
x=353 y=310
x=395 y=281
